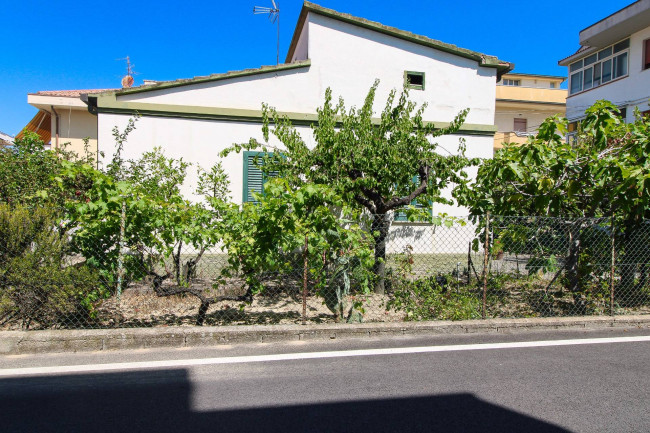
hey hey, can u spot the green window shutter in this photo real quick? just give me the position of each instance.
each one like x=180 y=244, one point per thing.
x=401 y=215
x=254 y=178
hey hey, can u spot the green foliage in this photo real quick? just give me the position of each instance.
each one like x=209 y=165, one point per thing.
x=369 y=162
x=38 y=284
x=429 y=298
x=604 y=170
x=268 y=238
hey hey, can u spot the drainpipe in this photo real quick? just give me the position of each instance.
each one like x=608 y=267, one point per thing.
x=56 y=117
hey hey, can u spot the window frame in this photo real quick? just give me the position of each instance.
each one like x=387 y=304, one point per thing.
x=520 y=119
x=599 y=65
x=407 y=82
x=645 y=52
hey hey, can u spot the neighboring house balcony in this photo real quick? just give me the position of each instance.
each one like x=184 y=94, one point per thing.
x=528 y=95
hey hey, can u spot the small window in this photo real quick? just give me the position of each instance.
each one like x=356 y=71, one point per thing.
x=622 y=45
x=508 y=82
x=400 y=215
x=623 y=113
x=521 y=125
x=646 y=54
x=414 y=80
x=553 y=85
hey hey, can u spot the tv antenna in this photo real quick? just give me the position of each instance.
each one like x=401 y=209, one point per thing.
x=274 y=17
x=127 y=80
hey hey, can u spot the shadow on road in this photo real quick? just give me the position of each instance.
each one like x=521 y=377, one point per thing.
x=161 y=401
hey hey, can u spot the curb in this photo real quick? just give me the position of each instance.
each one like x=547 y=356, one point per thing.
x=53 y=341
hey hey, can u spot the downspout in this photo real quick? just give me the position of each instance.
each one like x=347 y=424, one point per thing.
x=56 y=127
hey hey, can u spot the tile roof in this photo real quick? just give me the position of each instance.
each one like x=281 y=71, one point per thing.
x=70 y=93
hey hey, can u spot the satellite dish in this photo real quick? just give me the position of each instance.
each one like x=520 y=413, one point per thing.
x=127 y=81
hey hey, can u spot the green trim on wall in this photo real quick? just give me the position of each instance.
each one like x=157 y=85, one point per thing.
x=482 y=59
x=107 y=103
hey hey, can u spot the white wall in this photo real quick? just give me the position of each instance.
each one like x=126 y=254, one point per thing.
x=631 y=91
x=348 y=59
x=344 y=57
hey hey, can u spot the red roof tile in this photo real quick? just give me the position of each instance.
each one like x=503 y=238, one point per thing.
x=70 y=93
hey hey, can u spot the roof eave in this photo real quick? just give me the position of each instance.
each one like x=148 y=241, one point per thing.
x=210 y=78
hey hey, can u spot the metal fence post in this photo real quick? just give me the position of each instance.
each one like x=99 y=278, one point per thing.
x=613 y=264
x=304 y=281
x=486 y=253
x=120 y=253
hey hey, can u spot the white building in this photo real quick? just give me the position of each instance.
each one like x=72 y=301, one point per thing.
x=197 y=118
x=613 y=63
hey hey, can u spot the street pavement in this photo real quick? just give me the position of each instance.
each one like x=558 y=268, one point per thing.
x=548 y=381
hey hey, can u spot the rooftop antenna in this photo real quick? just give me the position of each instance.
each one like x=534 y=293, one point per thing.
x=274 y=16
x=127 y=80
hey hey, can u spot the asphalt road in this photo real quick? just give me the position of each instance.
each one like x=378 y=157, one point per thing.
x=456 y=385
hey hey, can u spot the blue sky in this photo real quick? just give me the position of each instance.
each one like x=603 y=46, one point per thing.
x=75 y=44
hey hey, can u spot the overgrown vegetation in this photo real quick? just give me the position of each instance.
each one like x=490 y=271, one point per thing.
x=73 y=237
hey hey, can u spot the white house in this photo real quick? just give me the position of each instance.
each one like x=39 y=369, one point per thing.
x=196 y=118
x=612 y=63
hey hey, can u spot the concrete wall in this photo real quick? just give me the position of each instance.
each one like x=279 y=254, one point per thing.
x=631 y=91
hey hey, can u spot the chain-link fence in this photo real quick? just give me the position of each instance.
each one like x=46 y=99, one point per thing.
x=445 y=269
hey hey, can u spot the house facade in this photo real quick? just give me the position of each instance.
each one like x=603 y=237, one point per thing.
x=523 y=102
x=63 y=120
x=5 y=139
x=197 y=118
x=613 y=63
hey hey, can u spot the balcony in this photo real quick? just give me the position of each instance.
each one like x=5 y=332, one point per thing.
x=531 y=94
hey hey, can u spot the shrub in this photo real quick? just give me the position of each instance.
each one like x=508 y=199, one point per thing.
x=39 y=284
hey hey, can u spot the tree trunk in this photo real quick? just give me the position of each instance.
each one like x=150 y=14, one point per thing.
x=573 y=270
x=203 y=309
x=627 y=292
x=380 y=226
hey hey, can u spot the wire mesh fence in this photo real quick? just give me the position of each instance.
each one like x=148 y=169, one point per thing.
x=443 y=269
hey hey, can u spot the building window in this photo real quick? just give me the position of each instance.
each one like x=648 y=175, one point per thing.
x=509 y=82
x=599 y=68
x=552 y=84
x=521 y=125
x=254 y=177
x=414 y=80
x=623 y=113
x=646 y=54
x=401 y=215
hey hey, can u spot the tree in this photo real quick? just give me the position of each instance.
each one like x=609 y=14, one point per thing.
x=380 y=165
x=603 y=171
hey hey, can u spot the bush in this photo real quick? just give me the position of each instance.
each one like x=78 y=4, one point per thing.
x=39 y=285
x=429 y=298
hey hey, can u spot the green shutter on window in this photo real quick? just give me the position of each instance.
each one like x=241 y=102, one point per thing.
x=401 y=216
x=253 y=177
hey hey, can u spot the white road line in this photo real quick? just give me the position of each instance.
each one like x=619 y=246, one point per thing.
x=177 y=363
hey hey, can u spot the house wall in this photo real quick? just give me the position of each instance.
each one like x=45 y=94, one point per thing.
x=349 y=58
x=630 y=91
x=344 y=57
x=74 y=126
